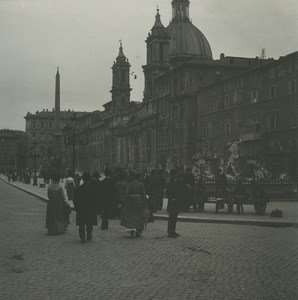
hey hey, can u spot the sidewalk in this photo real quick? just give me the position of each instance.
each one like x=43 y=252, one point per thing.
x=289 y=209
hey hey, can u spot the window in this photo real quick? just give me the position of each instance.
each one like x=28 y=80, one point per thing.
x=227 y=103
x=182 y=82
x=182 y=111
x=227 y=86
x=271 y=73
x=272 y=122
x=161 y=52
x=148 y=146
x=34 y=124
x=254 y=96
x=272 y=92
x=239 y=125
x=122 y=76
x=204 y=132
x=293 y=120
x=50 y=125
x=42 y=125
x=254 y=78
x=292 y=87
x=227 y=128
x=240 y=82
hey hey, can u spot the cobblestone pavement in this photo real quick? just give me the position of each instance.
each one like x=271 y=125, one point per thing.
x=209 y=261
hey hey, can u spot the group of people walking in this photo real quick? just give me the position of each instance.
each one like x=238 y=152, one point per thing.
x=118 y=197
x=134 y=198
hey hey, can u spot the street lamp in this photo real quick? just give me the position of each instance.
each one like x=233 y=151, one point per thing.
x=75 y=137
x=34 y=147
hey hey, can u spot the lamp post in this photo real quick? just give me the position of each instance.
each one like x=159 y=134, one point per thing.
x=35 y=177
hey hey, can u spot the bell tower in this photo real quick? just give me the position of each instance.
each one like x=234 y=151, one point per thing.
x=158 y=43
x=121 y=81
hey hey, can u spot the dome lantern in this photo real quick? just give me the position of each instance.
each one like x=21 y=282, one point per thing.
x=180 y=9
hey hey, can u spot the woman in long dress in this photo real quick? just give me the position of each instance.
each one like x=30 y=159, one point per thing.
x=56 y=221
x=134 y=216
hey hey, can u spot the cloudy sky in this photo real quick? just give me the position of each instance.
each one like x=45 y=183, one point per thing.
x=82 y=38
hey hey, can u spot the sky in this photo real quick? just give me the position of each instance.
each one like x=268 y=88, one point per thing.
x=82 y=38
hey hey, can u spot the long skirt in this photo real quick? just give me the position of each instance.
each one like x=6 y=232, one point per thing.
x=55 y=219
x=133 y=213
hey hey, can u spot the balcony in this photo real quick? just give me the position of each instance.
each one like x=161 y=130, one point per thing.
x=251 y=132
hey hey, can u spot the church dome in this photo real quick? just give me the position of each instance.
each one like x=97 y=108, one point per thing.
x=187 y=41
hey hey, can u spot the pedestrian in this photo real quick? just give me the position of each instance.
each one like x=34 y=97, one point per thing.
x=97 y=190
x=178 y=193
x=155 y=190
x=135 y=212
x=56 y=221
x=172 y=204
x=240 y=195
x=120 y=188
x=221 y=185
x=77 y=180
x=189 y=179
x=86 y=206
x=108 y=199
x=259 y=197
x=70 y=186
x=222 y=192
x=201 y=194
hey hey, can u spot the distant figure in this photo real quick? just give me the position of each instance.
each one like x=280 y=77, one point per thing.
x=173 y=208
x=201 y=194
x=86 y=206
x=77 y=180
x=56 y=221
x=153 y=192
x=178 y=193
x=97 y=190
x=108 y=199
x=260 y=199
x=189 y=179
x=120 y=189
x=240 y=195
x=221 y=185
x=134 y=216
x=70 y=187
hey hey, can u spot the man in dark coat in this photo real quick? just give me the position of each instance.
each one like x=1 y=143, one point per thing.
x=189 y=179
x=108 y=200
x=86 y=206
x=201 y=194
x=260 y=199
x=172 y=207
x=240 y=195
x=178 y=193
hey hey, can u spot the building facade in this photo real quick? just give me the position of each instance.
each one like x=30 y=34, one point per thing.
x=13 y=149
x=258 y=109
x=193 y=109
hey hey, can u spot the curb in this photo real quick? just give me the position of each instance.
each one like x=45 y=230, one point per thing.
x=42 y=198
x=189 y=219
x=231 y=221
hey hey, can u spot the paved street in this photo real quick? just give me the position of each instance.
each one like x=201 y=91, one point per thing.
x=209 y=261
